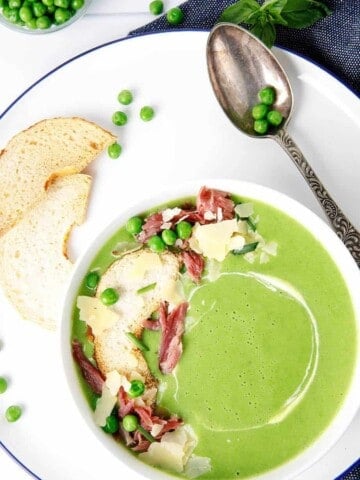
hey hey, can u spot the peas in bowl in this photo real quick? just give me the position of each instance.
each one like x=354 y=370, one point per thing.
x=41 y=16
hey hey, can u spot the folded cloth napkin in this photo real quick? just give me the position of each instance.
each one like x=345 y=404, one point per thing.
x=333 y=43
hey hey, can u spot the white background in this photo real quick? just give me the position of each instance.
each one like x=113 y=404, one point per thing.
x=25 y=58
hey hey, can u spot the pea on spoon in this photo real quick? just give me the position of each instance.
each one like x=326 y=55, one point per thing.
x=240 y=65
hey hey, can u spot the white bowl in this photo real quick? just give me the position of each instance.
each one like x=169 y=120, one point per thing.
x=302 y=215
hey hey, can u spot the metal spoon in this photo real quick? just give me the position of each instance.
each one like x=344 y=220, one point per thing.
x=239 y=66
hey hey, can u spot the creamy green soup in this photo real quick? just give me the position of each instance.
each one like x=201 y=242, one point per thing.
x=269 y=351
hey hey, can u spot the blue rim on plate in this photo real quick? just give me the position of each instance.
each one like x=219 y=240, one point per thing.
x=103 y=45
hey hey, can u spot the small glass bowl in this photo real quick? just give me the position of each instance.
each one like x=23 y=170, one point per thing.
x=38 y=31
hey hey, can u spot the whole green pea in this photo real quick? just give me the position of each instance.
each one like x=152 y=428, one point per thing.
x=261 y=126
x=125 y=97
x=156 y=7
x=43 y=22
x=39 y=9
x=169 y=237
x=267 y=95
x=111 y=425
x=61 y=16
x=77 y=4
x=13 y=413
x=259 y=111
x=3 y=385
x=114 y=150
x=119 y=118
x=134 y=225
x=25 y=13
x=109 y=296
x=92 y=280
x=31 y=24
x=62 y=3
x=15 y=3
x=48 y=3
x=175 y=16
x=147 y=113
x=130 y=423
x=274 y=117
x=184 y=229
x=156 y=244
x=137 y=388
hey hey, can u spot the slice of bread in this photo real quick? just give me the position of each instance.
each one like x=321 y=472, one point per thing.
x=37 y=156
x=34 y=268
x=113 y=349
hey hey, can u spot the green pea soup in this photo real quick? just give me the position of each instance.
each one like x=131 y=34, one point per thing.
x=268 y=352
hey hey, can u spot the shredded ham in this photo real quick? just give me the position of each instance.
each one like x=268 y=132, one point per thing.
x=126 y=404
x=210 y=200
x=151 y=324
x=151 y=227
x=194 y=263
x=172 y=329
x=91 y=374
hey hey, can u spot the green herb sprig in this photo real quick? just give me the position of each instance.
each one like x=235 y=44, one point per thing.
x=263 y=18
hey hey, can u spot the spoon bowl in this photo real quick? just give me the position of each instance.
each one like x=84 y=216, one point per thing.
x=240 y=65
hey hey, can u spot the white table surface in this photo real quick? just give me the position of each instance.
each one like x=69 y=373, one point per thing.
x=25 y=58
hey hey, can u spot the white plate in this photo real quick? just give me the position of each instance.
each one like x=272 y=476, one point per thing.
x=188 y=139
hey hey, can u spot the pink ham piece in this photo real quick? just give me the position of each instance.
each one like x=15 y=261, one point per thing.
x=151 y=324
x=210 y=200
x=151 y=227
x=90 y=373
x=172 y=329
x=194 y=263
x=126 y=404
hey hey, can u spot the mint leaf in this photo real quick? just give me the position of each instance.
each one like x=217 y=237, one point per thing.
x=264 y=30
x=303 y=13
x=240 y=12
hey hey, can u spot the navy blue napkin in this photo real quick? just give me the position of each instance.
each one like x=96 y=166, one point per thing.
x=333 y=43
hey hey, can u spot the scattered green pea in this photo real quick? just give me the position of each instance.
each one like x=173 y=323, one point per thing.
x=261 y=126
x=133 y=225
x=184 y=229
x=125 y=97
x=130 y=423
x=156 y=244
x=267 y=95
x=12 y=15
x=3 y=385
x=39 y=9
x=169 y=237
x=92 y=280
x=119 y=118
x=111 y=425
x=109 y=296
x=137 y=388
x=62 y=3
x=13 y=413
x=147 y=113
x=259 y=111
x=274 y=117
x=114 y=150
x=175 y=16
x=31 y=24
x=14 y=3
x=156 y=7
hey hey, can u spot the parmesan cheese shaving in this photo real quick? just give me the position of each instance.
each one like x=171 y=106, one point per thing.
x=197 y=466
x=104 y=406
x=98 y=316
x=173 y=451
x=213 y=240
x=174 y=293
x=244 y=210
x=114 y=380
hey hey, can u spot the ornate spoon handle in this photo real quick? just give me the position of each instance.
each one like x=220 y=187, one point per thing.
x=339 y=222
